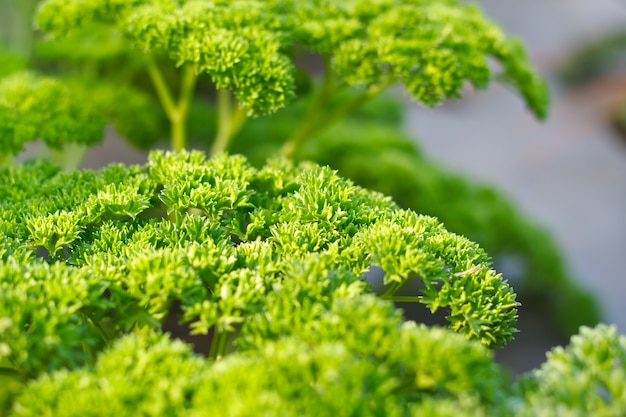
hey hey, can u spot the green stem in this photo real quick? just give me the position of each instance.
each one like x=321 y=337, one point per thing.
x=177 y=111
x=218 y=344
x=181 y=113
x=224 y=114
x=329 y=87
x=350 y=107
x=404 y=299
x=179 y=133
x=70 y=156
x=22 y=26
x=391 y=290
x=230 y=120
x=6 y=160
x=105 y=337
x=162 y=90
x=214 y=343
x=239 y=117
x=223 y=344
x=11 y=373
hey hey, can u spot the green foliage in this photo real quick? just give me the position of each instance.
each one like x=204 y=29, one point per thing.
x=133 y=113
x=357 y=358
x=412 y=41
x=148 y=376
x=42 y=315
x=383 y=367
x=89 y=44
x=34 y=106
x=251 y=49
x=369 y=148
x=11 y=62
x=239 y=249
x=266 y=265
x=603 y=56
x=588 y=377
x=237 y=45
x=371 y=154
x=249 y=256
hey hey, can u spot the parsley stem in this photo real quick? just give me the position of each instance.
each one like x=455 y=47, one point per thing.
x=177 y=111
x=404 y=299
x=351 y=106
x=181 y=114
x=316 y=121
x=230 y=119
x=391 y=290
x=6 y=160
x=218 y=344
x=69 y=156
x=11 y=373
x=99 y=329
x=162 y=90
x=22 y=33
x=311 y=119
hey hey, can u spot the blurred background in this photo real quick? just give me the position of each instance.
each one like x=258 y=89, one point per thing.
x=567 y=174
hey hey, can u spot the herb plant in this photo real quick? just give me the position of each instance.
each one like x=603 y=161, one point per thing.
x=369 y=148
x=268 y=262
x=134 y=61
x=37 y=107
x=193 y=285
x=249 y=50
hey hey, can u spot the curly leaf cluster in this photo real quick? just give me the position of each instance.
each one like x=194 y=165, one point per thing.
x=43 y=326
x=238 y=44
x=37 y=107
x=250 y=47
x=372 y=154
x=317 y=373
x=259 y=251
x=588 y=377
x=90 y=43
x=431 y=47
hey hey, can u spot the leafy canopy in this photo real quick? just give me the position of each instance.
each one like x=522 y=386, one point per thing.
x=382 y=367
x=430 y=46
x=251 y=50
x=236 y=249
x=34 y=107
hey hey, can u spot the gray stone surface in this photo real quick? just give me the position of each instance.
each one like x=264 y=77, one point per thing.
x=569 y=172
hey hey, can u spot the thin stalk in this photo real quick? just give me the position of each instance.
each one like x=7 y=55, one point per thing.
x=177 y=112
x=224 y=115
x=11 y=373
x=391 y=290
x=178 y=133
x=404 y=299
x=218 y=344
x=181 y=113
x=230 y=120
x=70 y=156
x=350 y=107
x=162 y=90
x=22 y=27
x=6 y=160
x=190 y=76
x=311 y=119
x=240 y=115
x=221 y=350
x=105 y=337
